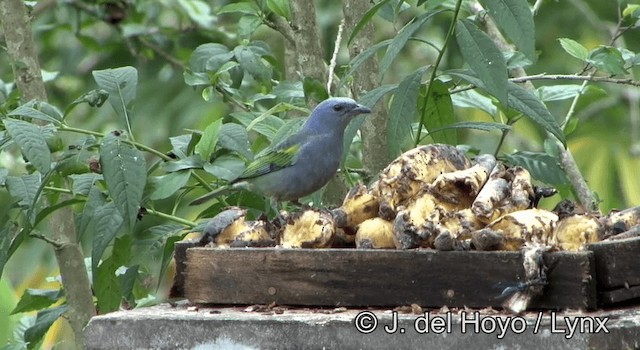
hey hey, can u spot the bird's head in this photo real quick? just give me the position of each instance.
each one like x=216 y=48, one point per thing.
x=334 y=114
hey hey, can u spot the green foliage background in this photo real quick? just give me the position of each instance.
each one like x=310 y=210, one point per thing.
x=176 y=93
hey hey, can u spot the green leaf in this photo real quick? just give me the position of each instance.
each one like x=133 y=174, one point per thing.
x=235 y=138
x=290 y=127
x=516 y=59
x=244 y=7
x=515 y=19
x=402 y=111
x=608 y=59
x=439 y=113
x=362 y=57
x=252 y=63
x=31 y=142
x=574 y=48
x=398 y=43
x=288 y=91
x=314 y=89
x=127 y=281
x=190 y=162
x=105 y=224
x=525 y=102
x=167 y=254
x=207 y=144
x=370 y=99
x=180 y=145
x=169 y=184
x=199 y=12
x=632 y=10
x=227 y=167
x=280 y=7
x=4 y=172
x=95 y=199
x=484 y=58
x=45 y=318
x=483 y=126
x=29 y=110
x=473 y=99
x=125 y=174
x=558 y=92
x=247 y=25
x=82 y=183
x=46 y=211
x=278 y=108
x=94 y=98
x=121 y=84
x=366 y=18
x=24 y=188
x=37 y=299
x=107 y=285
x=268 y=126
x=6 y=236
x=542 y=166
x=209 y=57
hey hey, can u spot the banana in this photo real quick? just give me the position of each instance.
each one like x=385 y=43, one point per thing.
x=574 y=231
x=375 y=233
x=491 y=197
x=462 y=186
x=311 y=228
x=413 y=227
x=510 y=231
x=408 y=174
x=231 y=229
x=343 y=239
x=620 y=221
x=454 y=231
x=522 y=193
x=359 y=205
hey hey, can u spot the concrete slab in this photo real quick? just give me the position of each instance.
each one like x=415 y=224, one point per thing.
x=182 y=327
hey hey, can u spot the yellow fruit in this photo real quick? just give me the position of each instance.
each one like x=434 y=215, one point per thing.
x=574 y=231
x=415 y=169
x=359 y=205
x=308 y=229
x=375 y=233
x=510 y=231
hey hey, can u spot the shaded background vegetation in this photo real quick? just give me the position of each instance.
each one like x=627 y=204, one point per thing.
x=158 y=38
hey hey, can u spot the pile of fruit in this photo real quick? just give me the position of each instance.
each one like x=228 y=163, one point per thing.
x=431 y=197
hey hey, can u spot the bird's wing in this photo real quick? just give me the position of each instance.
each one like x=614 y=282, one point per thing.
x=281 y=156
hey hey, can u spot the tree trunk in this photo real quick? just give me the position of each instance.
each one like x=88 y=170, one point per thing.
x=375 y=154
x=23 y=55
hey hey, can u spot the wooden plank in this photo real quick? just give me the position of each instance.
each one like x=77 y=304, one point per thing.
x=617 y=263
x=619 y=295
x=354 y=277
x=180 y=257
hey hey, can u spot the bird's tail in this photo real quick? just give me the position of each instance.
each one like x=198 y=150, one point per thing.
x=220 y=191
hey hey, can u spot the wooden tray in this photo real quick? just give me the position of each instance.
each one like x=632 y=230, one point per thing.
x=360 y=277
x=617 y=270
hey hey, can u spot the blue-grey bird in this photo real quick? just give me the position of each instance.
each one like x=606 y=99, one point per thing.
x=305 y=161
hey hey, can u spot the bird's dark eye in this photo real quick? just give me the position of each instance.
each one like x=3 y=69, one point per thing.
x=337 y=108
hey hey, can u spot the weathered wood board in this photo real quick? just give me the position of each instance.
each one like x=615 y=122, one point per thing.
x=354 y=277
x=617 y=263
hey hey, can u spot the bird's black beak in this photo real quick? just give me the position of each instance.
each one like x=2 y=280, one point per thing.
x=360 y=109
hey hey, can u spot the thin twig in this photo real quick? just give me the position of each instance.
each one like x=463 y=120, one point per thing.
x=544 y=76
x=574 y=103
x=334 y=58
x=162 y=53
